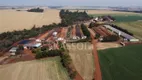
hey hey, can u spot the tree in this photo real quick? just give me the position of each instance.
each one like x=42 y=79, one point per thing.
x=110 y=38
x=91 y=25
x=97 y=36
x=61 y=46
x=68 y=18
x=66 y=60
x=73 y=74
x=19 y=50
x=35 y=10
x=85 y=30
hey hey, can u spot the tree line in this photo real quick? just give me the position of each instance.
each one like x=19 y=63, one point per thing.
x=85 y=30
x=69 y=18
x=62 y=52
x=36 y=10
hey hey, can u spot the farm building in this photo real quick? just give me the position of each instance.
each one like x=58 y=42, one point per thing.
x=13 y=50
x=60 y=39
x=123 y=34
x=55 y=33
x=104 y=18
x=32 y=45
x=83 y=37
x=24 y=42
x=38 y=40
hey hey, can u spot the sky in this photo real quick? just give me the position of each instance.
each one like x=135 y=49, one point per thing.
x=71 y=2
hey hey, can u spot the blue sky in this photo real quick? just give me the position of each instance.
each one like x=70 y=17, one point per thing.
x=73 y=2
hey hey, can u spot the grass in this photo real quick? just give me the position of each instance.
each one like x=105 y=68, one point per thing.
x=134 y=27
x=121 y=63
x=61 y=70
x=45 y=69
x=123 y=17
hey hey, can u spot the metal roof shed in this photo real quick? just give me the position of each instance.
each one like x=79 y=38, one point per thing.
x=37 y=45
x=34 y=45
x=13 y=49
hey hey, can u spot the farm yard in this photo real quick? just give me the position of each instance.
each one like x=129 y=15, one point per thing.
x=121 y=63
x=72 y=46
x=45 y=69
x=76 y=33
x=81 y=54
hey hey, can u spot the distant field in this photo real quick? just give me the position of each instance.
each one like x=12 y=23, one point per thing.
x=16 y=20
x=82 y=59
x=123 y=17
x=47 y=69
x=102 y=12
x=121 y=63
x=135 y=27
x=130 y=22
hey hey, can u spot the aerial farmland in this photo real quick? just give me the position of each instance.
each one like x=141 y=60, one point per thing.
x=71 y=44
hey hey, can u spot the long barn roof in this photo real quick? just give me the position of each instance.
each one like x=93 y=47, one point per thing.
x=127 y=36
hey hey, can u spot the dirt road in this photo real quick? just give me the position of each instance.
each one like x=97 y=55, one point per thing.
x=97 y=74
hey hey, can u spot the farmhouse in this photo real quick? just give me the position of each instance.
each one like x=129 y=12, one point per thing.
x=123 y=34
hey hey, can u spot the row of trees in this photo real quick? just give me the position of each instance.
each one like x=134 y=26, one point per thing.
x=46 y=53
x=85 y=30
x=35 y=10
x=121 y=29
x=68 y=17
x=62 y=52
x=110 y=38
x=67 y=63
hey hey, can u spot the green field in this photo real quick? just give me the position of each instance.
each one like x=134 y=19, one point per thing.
x=130 y=22
x=123 y=17
x=134 y=27
x=123 y=63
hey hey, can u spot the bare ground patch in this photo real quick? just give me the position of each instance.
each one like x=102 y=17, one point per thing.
x=106 y=45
